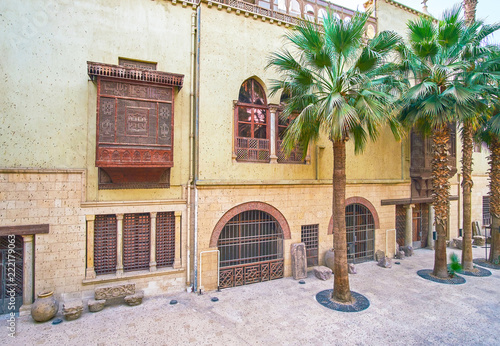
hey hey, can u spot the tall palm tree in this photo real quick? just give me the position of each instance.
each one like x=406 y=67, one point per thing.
x=490 y=134
x=475 y=53
x=333 y=77
x=467 y=148
x=439 y=98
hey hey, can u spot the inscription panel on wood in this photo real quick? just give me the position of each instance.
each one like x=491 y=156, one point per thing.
x=135 y=125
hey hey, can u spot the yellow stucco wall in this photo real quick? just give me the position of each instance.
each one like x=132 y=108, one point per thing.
x=49 y=114
x=227 y=60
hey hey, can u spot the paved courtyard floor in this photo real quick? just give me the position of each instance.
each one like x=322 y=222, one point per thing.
x=404 y=310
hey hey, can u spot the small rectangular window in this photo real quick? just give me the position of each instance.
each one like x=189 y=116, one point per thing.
x=309 y=236
x=486 y=211
x=165 y=239
x=105 y=244
x=136 y=241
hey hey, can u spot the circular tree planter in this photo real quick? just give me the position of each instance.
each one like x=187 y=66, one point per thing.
x=359 y=303
x=477 y=271
x=484 y=263
x=454 y=280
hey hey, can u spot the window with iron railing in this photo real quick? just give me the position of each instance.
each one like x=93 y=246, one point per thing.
x=486 y=211
x=136 y=240
x=252 y=124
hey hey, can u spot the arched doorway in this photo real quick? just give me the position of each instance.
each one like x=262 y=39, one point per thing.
x=251 y=249
x=360 y=228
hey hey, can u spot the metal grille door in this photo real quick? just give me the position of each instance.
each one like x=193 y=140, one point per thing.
x=251 y=249
x=105 y=244
x=360 y=228
x=136 y=241
x=165 y=239
x=309 y=236
x=11 y=274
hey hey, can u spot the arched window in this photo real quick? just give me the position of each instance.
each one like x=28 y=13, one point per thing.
x=294 y=8
x=309 y=12
x=252 y=123
x=281 y=126
x=321 y=15
x=280 y=5
x=251 y=249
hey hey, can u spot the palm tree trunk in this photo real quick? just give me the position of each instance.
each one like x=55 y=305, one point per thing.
x=470 y=10
x=495 y=199
x=467 y=148
x=440 y=196
x=341 y=290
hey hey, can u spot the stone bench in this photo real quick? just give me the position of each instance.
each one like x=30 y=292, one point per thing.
x=126 y=291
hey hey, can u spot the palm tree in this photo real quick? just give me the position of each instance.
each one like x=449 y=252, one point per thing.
x=467 y=148
x=436 y=59
x=331 y=75
x=475 y=54
x=490 y=134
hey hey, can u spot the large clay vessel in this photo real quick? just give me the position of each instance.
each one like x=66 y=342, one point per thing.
x=45 y=307
x=329 y=257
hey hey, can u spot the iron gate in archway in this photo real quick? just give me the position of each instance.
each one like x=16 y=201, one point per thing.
x=251 y=249
x=360 y=228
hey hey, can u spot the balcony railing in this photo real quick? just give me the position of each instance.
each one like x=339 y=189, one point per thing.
x=294 y=157
x=252 y=149
x=305 y=9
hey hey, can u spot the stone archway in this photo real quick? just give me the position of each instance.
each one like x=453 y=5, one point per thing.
x=250 y=238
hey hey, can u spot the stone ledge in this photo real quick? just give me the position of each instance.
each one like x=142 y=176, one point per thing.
x=132 y=275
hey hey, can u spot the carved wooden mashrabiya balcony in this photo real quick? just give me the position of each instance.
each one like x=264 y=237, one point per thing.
x=135 y=122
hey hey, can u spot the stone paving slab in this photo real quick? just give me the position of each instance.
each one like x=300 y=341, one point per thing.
x=404 y=310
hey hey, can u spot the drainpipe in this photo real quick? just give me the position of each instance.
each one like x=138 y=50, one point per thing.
x=196 y=148
x=191 y=144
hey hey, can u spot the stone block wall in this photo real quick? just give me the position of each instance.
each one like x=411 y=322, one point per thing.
x=49 y=197
x=299 y=205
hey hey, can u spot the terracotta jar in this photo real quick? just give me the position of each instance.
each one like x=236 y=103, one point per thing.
x=45 y=307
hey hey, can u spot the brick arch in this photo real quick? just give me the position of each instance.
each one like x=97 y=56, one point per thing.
x=246 y=207
x=362 y=201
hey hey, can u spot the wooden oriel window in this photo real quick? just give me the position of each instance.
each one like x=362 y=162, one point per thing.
x=135 y=124
x=252 y=123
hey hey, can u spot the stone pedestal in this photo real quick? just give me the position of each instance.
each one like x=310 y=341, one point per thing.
x=299 y=261
x=72 y=310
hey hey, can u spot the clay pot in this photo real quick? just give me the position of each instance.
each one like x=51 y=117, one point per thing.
x=329 y=256
x=45 y=307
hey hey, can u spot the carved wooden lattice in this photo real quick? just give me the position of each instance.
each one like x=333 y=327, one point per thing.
x=251 y=149
x=136 y=241
x=165 y=239
x=105 y=244
x=250 y=273
x=400 y=224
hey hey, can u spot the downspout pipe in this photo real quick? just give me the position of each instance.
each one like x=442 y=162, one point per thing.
x=191 y=143
x=196 y=147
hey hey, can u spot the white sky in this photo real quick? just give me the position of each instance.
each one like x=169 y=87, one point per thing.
x=488 y=10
